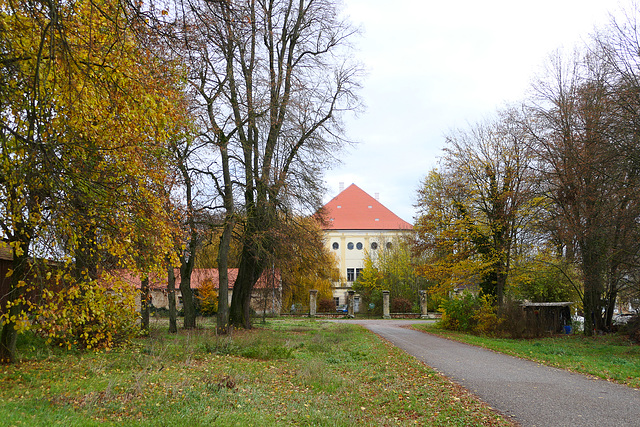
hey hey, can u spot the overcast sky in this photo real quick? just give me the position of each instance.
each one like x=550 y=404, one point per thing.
x=434 y=66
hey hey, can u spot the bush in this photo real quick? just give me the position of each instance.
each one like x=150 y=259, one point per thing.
x=208 y=298
x=326 y=305
x=632 y=329
x=400 y=305
x=87 y=315
x=480 y=315
x=486 y=316
x=458 y=313
x=512 y=319
x=470 y=313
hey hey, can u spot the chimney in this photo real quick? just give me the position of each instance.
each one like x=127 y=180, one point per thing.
x=341 y=187
x=377 y=196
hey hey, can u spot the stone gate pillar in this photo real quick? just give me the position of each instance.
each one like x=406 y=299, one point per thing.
x=313 y=300
x=385 y=305
x=424 y=313
x=351 y=303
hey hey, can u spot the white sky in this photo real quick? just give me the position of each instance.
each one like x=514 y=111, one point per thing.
x=433 y=66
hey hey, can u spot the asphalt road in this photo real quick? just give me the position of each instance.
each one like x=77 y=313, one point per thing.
x=529 y=393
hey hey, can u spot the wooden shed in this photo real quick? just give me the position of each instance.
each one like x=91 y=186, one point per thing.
x=544 y=317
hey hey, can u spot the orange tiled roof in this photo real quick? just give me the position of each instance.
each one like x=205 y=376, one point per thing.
x=198 y=277
x=354 y=209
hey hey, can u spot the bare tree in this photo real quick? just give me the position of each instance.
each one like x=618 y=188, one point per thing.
x=590 y=180
x=295 y=85
x=269 y=80
x=184 y=153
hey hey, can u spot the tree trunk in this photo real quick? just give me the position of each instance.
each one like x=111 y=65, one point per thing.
x=593 y=287
x=145 y=298
x=188 y=303
x=171 y=295
x=187 y=258
x=612 y=294
x=501 y=284
x=186 y=268
x=250 y=270
x=222 y=317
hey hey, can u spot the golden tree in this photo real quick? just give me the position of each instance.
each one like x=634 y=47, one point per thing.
x=85 y=112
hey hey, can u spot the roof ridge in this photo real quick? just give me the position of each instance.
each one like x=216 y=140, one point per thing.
x=355 y=209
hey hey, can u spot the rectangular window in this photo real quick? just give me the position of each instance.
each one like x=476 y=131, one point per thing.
x=351 y=275
x=358 y=272
x=337 y=300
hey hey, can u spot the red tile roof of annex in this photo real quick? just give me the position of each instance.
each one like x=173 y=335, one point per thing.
x=354 y=209
x=198 y=277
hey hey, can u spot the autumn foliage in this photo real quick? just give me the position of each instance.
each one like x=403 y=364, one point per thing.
x=86 y=110
x=87 y=315
x=208 y=298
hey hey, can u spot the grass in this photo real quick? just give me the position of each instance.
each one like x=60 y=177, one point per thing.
x=287 y=372
x=611 y=357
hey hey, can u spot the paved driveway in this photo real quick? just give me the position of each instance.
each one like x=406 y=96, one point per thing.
x=529 y=393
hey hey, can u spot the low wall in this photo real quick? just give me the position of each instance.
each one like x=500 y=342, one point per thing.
x=362 y=316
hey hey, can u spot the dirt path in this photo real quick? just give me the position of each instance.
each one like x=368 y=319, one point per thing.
x=529 y=393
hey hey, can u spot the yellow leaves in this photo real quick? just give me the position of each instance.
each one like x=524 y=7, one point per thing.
x=208 y=297
x=20 y=321
x=87 y=315
x=17 y=248
x=106 y=118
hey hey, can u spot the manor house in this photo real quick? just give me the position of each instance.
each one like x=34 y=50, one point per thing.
x=358 y=224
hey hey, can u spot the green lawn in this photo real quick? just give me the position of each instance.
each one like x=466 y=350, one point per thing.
x=611 y=357
x=287 y=372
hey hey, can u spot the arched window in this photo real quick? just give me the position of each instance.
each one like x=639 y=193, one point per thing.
x=389 y=245
x=350 y=245
x=359 y=246
x=335 y=246
x=374 y=245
